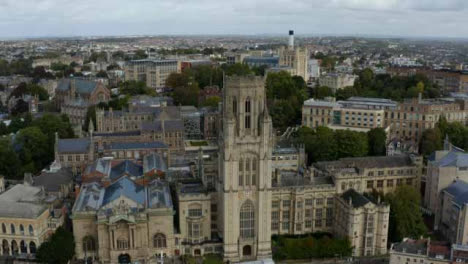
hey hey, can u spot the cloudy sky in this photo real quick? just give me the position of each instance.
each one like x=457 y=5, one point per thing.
x=436 y=18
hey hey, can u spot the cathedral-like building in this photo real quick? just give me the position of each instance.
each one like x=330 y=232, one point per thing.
x=233 y=196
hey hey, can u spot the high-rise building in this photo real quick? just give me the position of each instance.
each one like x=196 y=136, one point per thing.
x=296 y=58
x=153 y=72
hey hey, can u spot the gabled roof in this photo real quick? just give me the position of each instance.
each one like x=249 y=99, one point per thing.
x=125 y=187
x=81 y=86
x=52 y=181
x=455 y=158
x=459 y=191
x=126 y=168
x=154 y=161
x=73 y=145
x=356 y=199
x=137 y=145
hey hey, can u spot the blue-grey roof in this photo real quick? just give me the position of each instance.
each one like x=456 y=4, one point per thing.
x=457 y=188
x=126 y=168
x=454 y=158
x=73 y=145
x=159 y=194
x=118 y=134
x=81 y=86
x=154 y=161
x=169 y=125
x=124 y=187
x=137 y=145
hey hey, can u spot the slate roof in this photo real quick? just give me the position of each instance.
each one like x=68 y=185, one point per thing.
x=52 y=181
x=169 y=125
x=22 y=201
x=118 y=134
x=411 y=246
x=459 y=191
x=94 y=196
x=81 y=86
x=357 y=199
x=154 y=161
x=368 y=162
x=124 y=187
x=454 y=158
x=73 y=145
x=136 y=145
x=126 y=168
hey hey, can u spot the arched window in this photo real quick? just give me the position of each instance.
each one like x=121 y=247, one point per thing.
x=159 y=241
x=89 y=244
x=31 y=230
x=241 y=172
x=4 y=228
x=248 y=111
x=12 y=227
x=21 y=229
x=32 y=247
x=234 y=106
x=254 y=171
x=23 y=247
x=247 y=220
x=247 y=172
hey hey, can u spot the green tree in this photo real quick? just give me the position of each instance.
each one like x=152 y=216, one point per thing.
x=212 y=101
x=345 y=93
x=31 y=89
x=102 y=74
x=10 y=166
x=135 y=88
x=431 y=140
x=351 y=143
x=322 y=92
x=58 y=249
x=239 y=69
x=377 y=139
x=406 y=219
x=33 y=152
x=140 y=54
x=320 y=143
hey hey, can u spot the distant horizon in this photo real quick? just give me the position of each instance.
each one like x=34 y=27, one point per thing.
x=269 y=35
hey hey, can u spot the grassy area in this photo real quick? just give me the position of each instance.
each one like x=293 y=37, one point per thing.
x=198 y=143
x=319 y=245
x=212 y=259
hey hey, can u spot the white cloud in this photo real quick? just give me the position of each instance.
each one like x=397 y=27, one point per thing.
x=109 y=17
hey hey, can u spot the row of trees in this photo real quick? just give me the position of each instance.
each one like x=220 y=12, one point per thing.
x=406 y=219
x=58 y=249
x=32 y=148
x=323 y=143
x=432 y=139
x=317 y=245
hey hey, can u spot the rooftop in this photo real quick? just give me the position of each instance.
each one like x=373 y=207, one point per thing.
x=22 y=201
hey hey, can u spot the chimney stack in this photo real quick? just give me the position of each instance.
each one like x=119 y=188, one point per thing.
x=291 y=39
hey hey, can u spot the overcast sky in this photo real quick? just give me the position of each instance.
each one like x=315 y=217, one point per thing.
x=437 y=18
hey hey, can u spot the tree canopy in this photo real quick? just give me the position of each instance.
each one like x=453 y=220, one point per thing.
x=58 y=249
x=377 y=139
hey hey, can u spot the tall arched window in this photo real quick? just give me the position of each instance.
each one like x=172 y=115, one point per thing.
x=4 y=228
x=248 y=112
x=32 y=247
x=234 y=106
x=12 y=227
x=21 y=229
x=159 y=241
x=254 y=171
x=31 y=230
x=247 y=220
x=247 y=172
x=89 y=244
x=241 y=172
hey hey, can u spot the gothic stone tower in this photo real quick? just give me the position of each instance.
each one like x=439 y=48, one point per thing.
x=245 y=170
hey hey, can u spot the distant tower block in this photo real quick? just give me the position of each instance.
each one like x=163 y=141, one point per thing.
x=291 y=39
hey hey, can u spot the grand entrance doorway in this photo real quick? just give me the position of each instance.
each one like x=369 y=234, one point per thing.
x=247 y=251
x=124 y=259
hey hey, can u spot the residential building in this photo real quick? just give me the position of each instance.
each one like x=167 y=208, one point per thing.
x=153 y=72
